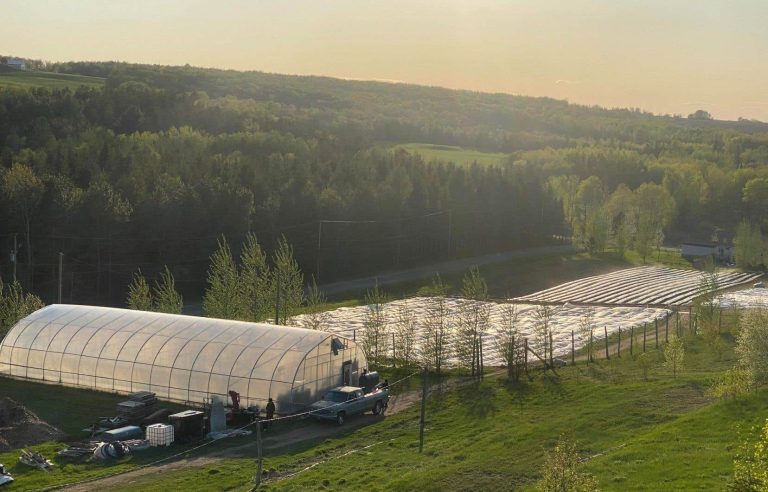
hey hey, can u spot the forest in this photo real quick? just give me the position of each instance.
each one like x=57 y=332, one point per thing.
x=156 y=167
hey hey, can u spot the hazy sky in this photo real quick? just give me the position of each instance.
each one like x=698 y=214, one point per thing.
x=671 y=56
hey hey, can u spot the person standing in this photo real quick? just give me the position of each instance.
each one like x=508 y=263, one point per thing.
x=270 y=411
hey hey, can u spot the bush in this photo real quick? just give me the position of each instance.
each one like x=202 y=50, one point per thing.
x=560 y=471
x=750 y=467
x=752 y=342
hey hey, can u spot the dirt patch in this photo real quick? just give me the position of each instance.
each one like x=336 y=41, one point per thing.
x=20 y=427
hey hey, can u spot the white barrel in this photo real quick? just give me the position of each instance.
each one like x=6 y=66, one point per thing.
x=160 y=434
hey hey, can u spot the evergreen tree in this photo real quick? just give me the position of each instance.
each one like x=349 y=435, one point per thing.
x=287 y=281
x=166 y=298
x=223 y=296
x=139 y=295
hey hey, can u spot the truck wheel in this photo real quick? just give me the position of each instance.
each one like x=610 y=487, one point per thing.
x=340 y=418
x=378 y=407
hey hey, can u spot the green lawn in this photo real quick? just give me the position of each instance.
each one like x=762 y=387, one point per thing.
x=458 y=155
x=660 y=434
x=28 y=79
x=663 y=433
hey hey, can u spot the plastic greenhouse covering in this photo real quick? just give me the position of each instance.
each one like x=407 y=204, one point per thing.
x=180 y=358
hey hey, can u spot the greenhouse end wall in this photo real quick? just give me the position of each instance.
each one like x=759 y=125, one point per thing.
x=181 y=358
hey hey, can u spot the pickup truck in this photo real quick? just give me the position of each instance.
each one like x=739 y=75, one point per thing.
x=345 y=401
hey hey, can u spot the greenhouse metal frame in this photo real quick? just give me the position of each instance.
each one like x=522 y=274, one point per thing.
x=186 y=359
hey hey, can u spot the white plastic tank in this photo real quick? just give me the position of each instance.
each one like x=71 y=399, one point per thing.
x=160 y=434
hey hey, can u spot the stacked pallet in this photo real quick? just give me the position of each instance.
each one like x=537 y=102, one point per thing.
x=138 y=406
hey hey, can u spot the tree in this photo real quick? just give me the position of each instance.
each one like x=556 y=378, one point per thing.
x=435 y=344
x=560 y=471
x=405 y=335
x=752 y=343
x=166 y=298
x=755 y=197
x=655 y=209
x=700 y=114
x=586 y=325
x=542 y=316
x=222 y=298
x=475 y=315
x=139 y=295
x=622 y=209
x=674 y=354
x=509 y=342
x=23 y=191
x=15 y=304
x=749 y=247
x=256 y=292
x=316 y=318
x=375 y=325
x=750 y=467
x=644 y=361
x=287 y=281
x=734 y=382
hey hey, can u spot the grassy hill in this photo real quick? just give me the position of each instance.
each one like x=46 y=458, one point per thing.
x=659 y=433
x=49 y=80
x=458 y=155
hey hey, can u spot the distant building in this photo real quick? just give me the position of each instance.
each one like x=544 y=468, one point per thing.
x=17 y=64
x=718 y=251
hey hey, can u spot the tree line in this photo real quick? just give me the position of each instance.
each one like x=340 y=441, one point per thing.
x=149 y=171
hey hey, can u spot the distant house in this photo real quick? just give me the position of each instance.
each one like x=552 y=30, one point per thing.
x=17 y=64
x=718 y=251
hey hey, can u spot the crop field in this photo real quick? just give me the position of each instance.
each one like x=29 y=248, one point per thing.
x=636 y=286
x=744 y=299
x=458 y=155
x=350 y=322
x=49 y=80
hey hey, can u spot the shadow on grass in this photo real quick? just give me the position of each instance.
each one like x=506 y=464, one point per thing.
x=477 y=399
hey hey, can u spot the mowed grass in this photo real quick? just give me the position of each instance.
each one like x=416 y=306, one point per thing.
x=663 y=433
x=457 y=155
x=28 y=79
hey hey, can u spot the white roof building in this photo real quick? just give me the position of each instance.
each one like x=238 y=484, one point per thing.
x=181 y=358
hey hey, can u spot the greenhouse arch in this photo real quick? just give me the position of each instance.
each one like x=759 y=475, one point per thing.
x=186 y=359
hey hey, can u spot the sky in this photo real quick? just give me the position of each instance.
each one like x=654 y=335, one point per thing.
x=670 y=57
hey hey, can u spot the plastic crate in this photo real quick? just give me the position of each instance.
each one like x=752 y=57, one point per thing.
x=160 y=434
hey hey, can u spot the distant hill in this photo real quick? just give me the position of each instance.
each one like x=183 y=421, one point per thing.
x=25 y=79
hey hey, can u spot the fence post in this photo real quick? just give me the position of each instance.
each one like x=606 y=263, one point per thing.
x=573 y=350
x=525 y=342
x=394 y=362
x=605 y=330
x=719 y=319
x=589 y=354
x=657 y=332
x=354 y=335
x=690 y=319
x=618 y=351
x=645 y=328
x=551 y=352
x=677 y=322
x=423 y=409
x=631 y=339
x=666 y=328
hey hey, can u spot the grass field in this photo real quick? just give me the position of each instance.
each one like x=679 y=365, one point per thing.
x=458 y=155
x=662 y=433
x=49 y=80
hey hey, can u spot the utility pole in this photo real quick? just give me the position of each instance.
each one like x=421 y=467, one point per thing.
x=15 y=255
x=423 y=409
x=61 y=263
x=319 y=239
x=450 y=227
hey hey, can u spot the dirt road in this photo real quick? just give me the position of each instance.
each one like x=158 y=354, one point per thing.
x=295 y=434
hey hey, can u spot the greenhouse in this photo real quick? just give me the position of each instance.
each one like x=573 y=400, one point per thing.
x=181 y=358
